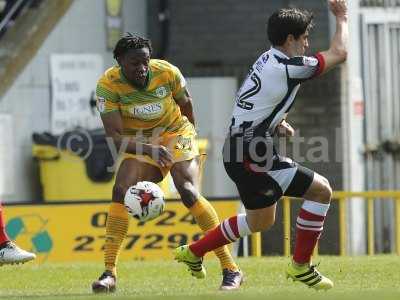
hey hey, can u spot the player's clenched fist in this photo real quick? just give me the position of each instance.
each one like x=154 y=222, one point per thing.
x=338 y=7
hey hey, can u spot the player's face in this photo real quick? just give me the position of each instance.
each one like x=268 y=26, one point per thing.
x=135 y=66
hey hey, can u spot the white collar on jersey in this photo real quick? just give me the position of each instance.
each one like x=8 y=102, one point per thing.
x=279 y=53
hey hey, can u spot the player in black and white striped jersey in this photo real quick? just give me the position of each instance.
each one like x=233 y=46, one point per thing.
x=261 y=175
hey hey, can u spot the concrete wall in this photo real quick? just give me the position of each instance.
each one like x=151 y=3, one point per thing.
x=81 y=30
x=213 y=102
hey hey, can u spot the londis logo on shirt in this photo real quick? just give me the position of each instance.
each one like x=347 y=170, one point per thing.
x=161 y=92
x=147 y=111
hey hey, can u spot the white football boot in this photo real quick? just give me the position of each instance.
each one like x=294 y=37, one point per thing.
x=12 y=254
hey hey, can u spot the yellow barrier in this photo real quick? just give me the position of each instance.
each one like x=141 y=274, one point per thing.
x=66 y=232
x=342 y=197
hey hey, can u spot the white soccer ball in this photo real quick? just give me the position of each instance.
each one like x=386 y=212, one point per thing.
x=145 y=201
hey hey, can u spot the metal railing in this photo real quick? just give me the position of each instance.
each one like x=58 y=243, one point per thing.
x=342 y=197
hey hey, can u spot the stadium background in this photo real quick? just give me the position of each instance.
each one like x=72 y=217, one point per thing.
x=213 y=43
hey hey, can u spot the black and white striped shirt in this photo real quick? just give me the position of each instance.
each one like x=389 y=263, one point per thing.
x=269 y=91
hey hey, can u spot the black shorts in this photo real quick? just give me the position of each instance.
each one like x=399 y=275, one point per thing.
x=263 y=183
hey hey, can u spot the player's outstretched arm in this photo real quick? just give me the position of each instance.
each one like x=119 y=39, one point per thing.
x=337 y=52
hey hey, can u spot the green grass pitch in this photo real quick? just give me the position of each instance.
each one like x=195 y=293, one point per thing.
x=375 y=278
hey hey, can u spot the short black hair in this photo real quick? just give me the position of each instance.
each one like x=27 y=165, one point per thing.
x=288 y=21
x=131 y=41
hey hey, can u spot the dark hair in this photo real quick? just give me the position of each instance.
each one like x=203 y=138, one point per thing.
x=288 y=21
x=131 y=41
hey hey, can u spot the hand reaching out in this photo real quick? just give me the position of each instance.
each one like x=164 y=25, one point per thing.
x=338 y=8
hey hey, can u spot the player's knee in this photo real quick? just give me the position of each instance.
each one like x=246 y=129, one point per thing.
x=119 y=191
x=188 y=193
x=325 y=192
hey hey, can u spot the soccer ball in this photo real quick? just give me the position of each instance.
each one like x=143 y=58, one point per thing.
x=144 y=201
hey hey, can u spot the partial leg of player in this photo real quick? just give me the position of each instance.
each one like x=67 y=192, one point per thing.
x=309 y=275
x=130 y=172
x=309 y=226
x=194 y=263
x=105 y=284
x=9 y=252
x=185 y=175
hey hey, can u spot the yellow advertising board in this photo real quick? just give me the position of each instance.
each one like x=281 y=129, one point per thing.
x=76 y=232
